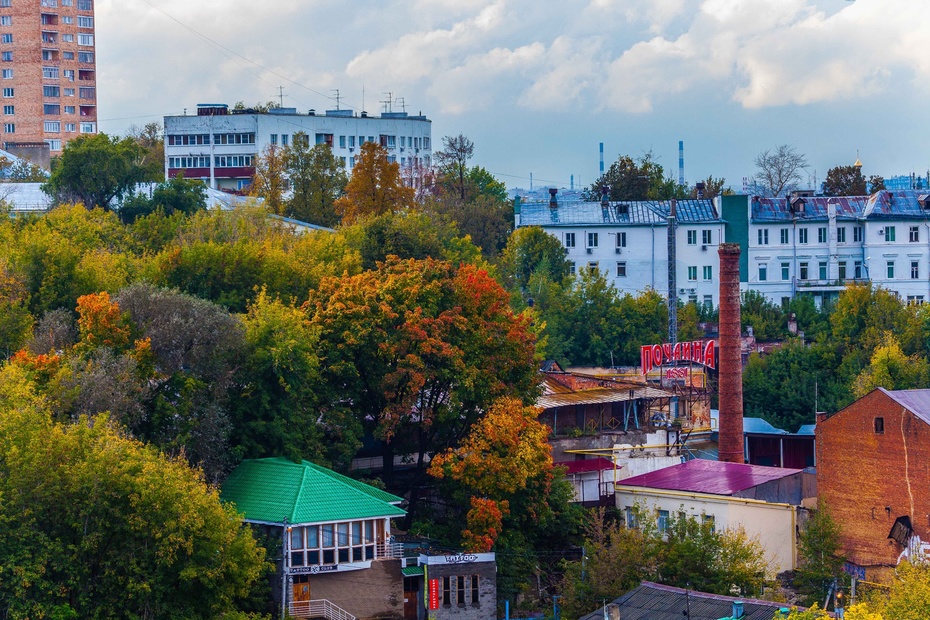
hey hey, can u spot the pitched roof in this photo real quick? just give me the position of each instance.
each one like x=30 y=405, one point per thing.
x=599 y=396
x=759 y=426
x=714 y=477
x=274 y=489
x=915 y=401
x=653 y=601
x=637 y=213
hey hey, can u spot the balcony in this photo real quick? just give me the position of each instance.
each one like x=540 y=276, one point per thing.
x=829 y=285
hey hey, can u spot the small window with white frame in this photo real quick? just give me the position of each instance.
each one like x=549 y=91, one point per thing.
x=621 y=269
x=569 y=240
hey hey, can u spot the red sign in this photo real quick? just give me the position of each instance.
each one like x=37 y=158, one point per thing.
x=434 y=594
x=697 y=352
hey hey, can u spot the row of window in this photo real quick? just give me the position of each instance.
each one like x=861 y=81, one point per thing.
x=805 y=271
x=234 y=138
x=52 y=20
x=459 y=590
x=889 y=232
x=54 y=126
x=47 y=55
x=594 y=238
x=82 y=5
x=220 y=161
x=334 y=543
x=707 y=272
x=663 y=519
x=706 y=237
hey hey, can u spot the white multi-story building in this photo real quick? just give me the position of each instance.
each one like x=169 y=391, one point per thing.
x=817 y=245
x=221 y=146
x=628 y=242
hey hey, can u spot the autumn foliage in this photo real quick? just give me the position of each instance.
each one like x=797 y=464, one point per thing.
x=101 y=323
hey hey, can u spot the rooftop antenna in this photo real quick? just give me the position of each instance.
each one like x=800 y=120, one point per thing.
x=281 y=95
x=399 y=102
x=336 y=97
x=387 y=101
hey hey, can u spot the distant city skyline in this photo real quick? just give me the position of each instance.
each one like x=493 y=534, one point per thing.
x=538 y=90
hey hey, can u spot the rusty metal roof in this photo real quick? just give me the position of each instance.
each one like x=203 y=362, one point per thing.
x=599 y=396
x=894 y=205
x=815 y=209
x=714 y=477
x=627 y=212
x=916 y=401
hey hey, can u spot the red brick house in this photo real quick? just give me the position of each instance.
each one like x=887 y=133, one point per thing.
x=873 y=471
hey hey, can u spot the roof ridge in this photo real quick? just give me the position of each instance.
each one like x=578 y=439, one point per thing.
x=300 y=491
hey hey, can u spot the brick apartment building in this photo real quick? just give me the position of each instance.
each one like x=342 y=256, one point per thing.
x=873 y=471
x=49 y=78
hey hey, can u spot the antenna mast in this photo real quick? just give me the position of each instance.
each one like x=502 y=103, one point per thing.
x=336 y=97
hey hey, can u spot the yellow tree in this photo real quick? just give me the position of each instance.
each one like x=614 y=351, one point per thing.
x=376 y=186
x=270 y=181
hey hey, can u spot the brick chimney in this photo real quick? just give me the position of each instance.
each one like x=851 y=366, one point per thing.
x=730 y=447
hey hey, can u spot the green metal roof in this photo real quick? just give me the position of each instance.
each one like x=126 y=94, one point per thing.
x=412 y=571
x=274 y=489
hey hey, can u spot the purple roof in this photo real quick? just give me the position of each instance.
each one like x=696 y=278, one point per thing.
x=916 y=401
x=703 y=476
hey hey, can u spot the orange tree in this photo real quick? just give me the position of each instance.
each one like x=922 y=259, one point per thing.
x=416 y=350
x=376 y=186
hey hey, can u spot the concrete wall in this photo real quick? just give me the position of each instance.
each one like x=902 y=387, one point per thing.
x=869 y=479
x=487 y=591
x=377 y=592
x=772 y=524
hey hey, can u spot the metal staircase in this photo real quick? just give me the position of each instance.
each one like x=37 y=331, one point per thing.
x=318 y=609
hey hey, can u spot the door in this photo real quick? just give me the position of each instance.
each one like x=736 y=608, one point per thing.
x=300 y=596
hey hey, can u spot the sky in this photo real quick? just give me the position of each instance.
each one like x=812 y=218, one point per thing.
x=538 y=84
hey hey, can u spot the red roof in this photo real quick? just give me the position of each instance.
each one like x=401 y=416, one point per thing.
x=715 y=477
x=586 y=465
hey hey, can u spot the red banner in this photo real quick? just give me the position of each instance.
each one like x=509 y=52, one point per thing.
x=434 y=594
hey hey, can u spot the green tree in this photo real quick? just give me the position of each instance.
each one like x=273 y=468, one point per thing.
x=845 y=181
x=95 y=525
x=766 y=319
x=820 y=554
x=150 y=137
x=452 y=162
x=643 y=179
x=531 y=249
x=22 y=171
x=95 y=170
x=891 y=369
x=270 y=180
x=712 y=187
x=317 y=180
x=177 y=194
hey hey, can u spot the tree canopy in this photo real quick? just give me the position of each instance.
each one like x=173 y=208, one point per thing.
x=95 y=169
x=779 y=170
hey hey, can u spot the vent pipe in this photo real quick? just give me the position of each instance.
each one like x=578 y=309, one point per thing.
x=553 y=203
x=602 y=158
x=681 y=163
x=730 y=447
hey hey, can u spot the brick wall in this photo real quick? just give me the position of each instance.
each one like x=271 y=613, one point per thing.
x=868 y=479
x=377 y=592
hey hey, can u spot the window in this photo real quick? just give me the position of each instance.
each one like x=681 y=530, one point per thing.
x=284 y=139
x=85 y=22
x=85 y=75
x=763 y=272
x=67 y=2
x=803 y=270
x=857 y=234
x=571 y=268
x=351 y=142
x=889 y=233
x=8 y=110
x=85 y=57
x=592 y=240
x=7 y=93
x=234 y=138
x=592 y=266
x=709 y=521
x=692 y=273
x=70 y=127
x=342 y=142
x=569 y=240
x=69 y=109
x=67 y=19
x=8 y=75
x=85 y=5
x=6 y=56
x=86 y=92
x=51 y=91
x=7 y=37
x=474 y=590
x=53 y=145
x=913 y=234
x=889 y=266
x=842 y=270
x=822 y=234
x=663 y=520
x=692 y=237
x=86 y=40
x=857 y=270
x=67 y=55
x=67 y=38
x=460 y=589
x=6 y=20
x=706 y=237
x=51 y=109
x=709 y=302
x=9 y=128
x=915 y=270
x=802 y=235
x=447 y=591
x=841 y=234
x=50 y=73
x=53 y=126
x=274 y=138
x=763 y=236
x=621 y=270
x=68 y=92
x=822 y=269
x=178 y=163
x=621 y=240
x=191 y=139
x=52 y=4
x=784 y=236
x=6 y=3
x=879 y=424
x=915 y=300
x=233 y=161
x=785 y=271
x=708 y=272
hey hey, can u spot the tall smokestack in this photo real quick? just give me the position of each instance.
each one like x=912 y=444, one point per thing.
x=730 y=447
x=681 y=163
x=602 y=159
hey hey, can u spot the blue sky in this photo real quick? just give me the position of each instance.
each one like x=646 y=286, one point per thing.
x=538 y=84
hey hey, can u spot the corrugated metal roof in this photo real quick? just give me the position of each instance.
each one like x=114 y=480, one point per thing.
x=916 y=401
x=715 y=477
x=653 y=601
x=586 y=465
x=807 y=429
x=274 y=489
x=894 y=205
x=815 y=209
x=598 y=396
x=411 y=571
x=638 y=213
x=761 y=427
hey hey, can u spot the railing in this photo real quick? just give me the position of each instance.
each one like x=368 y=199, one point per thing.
x=318 y=609
x=389 y=551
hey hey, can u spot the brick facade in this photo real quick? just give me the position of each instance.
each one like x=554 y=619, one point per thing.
x=873 y=466
x=377 y=592
x=49 y=71
x=464 y=607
